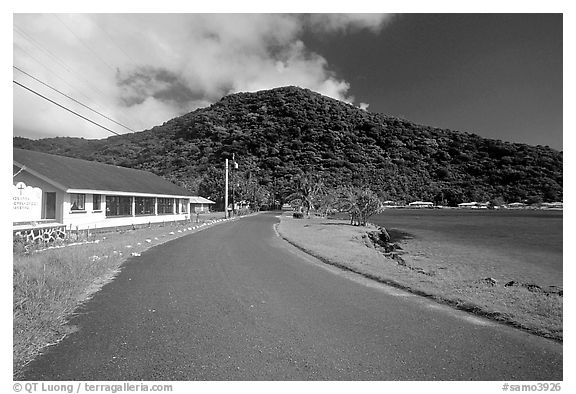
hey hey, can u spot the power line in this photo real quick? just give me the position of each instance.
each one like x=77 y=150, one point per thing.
x=73 y=99
x=113 y=41
x=51 y=71
x=55 y=74
x=62 y=64
x=79 y=78
x=43 y=48
x=63 y=107
x=83 y=43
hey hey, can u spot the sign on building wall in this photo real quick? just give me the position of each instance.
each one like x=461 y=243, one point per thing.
x=26 y=203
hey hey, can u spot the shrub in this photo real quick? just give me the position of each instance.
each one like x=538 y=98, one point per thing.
x=297 y=215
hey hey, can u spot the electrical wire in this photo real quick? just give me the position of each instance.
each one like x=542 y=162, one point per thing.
x=84 y=43
x=71 y=98
x=43 y=64
x=60 y=62
x=63 y=107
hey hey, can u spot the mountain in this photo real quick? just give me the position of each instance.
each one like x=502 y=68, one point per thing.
x=280 y=134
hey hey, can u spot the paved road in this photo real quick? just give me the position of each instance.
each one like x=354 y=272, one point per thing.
x=235 y=302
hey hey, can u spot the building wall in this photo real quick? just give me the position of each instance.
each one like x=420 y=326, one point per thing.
x=199 y=207
x=88 y=218
x=31 y=180
x=98 y=219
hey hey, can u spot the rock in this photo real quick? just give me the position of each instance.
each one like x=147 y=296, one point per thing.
x=511 y=283
x=532 y=287
x=490 y=281
x=384 y=236
x=392 y=247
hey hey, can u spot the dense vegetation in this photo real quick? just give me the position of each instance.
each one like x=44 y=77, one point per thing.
x=284 y=134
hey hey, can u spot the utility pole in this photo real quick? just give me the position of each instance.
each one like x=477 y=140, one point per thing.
x=226 y=193
x=233 y=182
x=226 y=187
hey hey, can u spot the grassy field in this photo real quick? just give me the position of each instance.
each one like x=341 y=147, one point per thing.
x=48 y=285
x=445 y=271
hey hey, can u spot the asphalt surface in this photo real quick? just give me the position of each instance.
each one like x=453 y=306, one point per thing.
x=235 y=302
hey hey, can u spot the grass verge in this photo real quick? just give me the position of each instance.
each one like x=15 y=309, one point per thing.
x=337 y=243
x=48 y=285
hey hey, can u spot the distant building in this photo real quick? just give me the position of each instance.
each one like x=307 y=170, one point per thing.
x=200 y=204
x=239 y=205
x=516 y=205
x=553 y=205
x=421 y=204
x=474 y=205
x=54 y=190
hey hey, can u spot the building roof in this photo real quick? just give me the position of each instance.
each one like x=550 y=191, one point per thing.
x=81 y=175
x=201 y=200
x=421 y=203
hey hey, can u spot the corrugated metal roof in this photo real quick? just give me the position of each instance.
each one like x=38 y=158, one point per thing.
x=201 y=200
x=90 y=175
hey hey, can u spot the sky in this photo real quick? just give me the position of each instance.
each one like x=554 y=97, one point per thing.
x=496 y=75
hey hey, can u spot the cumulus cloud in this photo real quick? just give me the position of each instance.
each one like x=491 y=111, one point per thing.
x=364 y=106
x=145 y=69
x=347 y=22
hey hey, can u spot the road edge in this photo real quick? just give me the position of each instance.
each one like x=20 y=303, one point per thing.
x=471 y=309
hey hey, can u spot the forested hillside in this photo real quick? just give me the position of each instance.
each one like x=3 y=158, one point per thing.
x=281 y=134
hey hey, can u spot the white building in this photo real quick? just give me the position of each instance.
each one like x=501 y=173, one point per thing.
x=80 y=194
x=421 y=204
x=474 y=205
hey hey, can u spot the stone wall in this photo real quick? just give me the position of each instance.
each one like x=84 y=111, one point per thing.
x=40 y=235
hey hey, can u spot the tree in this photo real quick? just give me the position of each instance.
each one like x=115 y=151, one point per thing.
x=361 y=204
x=308 y=190
x=328 y=201
x=496 y=202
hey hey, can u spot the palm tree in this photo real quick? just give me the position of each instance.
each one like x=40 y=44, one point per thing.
x=307 y=193
x=360 y=204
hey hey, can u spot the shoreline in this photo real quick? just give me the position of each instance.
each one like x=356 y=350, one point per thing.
x=513 y=306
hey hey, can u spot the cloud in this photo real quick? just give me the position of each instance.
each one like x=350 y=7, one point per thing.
x=141 y=83
x=144 y=69
x=347 y=22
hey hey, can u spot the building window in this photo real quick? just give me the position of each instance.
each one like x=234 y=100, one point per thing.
x=184 y=205
x=77 y=202
x=144 y=205
x=118 y=206
x=165 y=205
x=96 y=202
